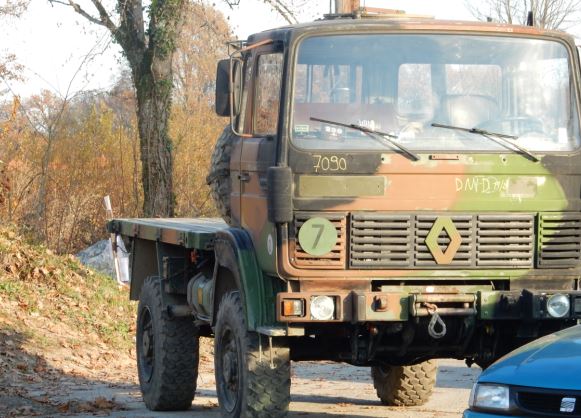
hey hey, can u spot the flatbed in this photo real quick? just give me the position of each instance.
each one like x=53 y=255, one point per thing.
x=189 y=233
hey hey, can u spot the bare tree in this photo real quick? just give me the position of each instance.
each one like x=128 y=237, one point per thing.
x=547 y=14
x=285 y=8
x=147 y=36
x=13 y=7
x=9 y=68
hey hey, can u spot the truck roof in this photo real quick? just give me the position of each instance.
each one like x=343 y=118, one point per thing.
x=402 y=24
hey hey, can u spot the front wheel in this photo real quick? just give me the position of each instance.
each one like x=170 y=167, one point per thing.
x=252 y=380
x=405 y=385
x=167 y=353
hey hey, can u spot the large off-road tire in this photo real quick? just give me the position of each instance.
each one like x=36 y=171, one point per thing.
x=249 y=382
x=219 y=176
x=167 y=353
x=405 y=385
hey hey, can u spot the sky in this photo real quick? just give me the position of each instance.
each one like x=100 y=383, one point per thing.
x=52 y=42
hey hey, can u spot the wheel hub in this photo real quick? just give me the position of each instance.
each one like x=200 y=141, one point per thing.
x=146 y=345
x=230 y=374
x=230 y=367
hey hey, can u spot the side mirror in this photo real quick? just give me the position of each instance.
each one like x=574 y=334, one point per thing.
x=228 y=89
x=222 y=104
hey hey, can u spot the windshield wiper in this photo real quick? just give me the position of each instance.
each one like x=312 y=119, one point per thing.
x=383 y=137
x=493 y=136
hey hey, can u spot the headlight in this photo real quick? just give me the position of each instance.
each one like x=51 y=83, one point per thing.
x=322 y=308
x=558 y=305
x=489 y=396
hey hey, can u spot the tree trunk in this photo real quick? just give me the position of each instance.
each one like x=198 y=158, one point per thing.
x=153 y=109
x=149 y=53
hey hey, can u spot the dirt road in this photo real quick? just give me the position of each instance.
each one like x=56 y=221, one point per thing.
x=318 y=390
x=66 y=352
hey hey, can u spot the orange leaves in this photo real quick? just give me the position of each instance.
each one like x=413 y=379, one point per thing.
x=37 y=286
x=62 y=156
x=26 y=265
x=100 y=404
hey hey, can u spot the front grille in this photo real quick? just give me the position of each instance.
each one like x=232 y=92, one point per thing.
x=545 y=403
x=391 y=240
x=505 y=241
x=383 y=240
x=334 y=259
x=559 y=239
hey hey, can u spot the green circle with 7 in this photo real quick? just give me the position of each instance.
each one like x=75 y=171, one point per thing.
x=317 y=236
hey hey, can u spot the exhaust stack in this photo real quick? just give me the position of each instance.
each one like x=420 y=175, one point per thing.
x=347 y=7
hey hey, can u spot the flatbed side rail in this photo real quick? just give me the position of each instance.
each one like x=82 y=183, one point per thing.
x=190 y=233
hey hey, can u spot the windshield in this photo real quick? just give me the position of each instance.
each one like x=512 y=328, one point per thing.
x=402 y=84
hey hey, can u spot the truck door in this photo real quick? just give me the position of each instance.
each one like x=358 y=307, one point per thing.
x=259 y=153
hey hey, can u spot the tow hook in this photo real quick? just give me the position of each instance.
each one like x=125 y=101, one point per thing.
x=436 y=320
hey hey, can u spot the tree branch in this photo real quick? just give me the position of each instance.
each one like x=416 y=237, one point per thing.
x=79 y=10
x=105 y=18
x=283 y=10
x=548 y=14
x=13 y=8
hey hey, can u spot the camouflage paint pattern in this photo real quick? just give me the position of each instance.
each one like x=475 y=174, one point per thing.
x=441 y=184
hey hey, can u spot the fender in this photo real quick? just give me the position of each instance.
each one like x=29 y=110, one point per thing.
x=235 y=253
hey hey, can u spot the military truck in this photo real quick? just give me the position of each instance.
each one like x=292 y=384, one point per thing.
x=394 y=190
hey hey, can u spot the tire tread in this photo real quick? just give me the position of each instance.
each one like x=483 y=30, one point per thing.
x=173 y=385
x=268 y=390
x=405 y=385
x=219 y=176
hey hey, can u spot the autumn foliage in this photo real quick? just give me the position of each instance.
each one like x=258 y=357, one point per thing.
x=60 y=155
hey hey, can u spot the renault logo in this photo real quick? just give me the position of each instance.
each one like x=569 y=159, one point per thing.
x=567 y=405
x=443 y=223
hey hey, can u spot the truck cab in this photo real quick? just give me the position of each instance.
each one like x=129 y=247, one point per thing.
x=412 y=168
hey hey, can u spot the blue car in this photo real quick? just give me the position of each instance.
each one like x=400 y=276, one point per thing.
x=540 y=379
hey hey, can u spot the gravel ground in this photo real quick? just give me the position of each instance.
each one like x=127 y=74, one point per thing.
x=318 y=390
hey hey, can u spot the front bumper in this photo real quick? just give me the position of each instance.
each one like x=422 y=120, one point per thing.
x=360 y=306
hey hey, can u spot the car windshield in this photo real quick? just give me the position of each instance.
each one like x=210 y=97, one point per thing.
x=404 y=84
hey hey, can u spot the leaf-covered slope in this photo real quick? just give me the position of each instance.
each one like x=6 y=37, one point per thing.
x=62 y=326
x=37 y=286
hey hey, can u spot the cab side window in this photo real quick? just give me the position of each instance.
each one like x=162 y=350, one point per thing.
x=267 y=96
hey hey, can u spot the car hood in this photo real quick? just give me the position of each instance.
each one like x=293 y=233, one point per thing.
x=551 y=362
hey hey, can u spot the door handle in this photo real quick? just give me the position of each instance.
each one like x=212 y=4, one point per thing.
x=245 y=177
